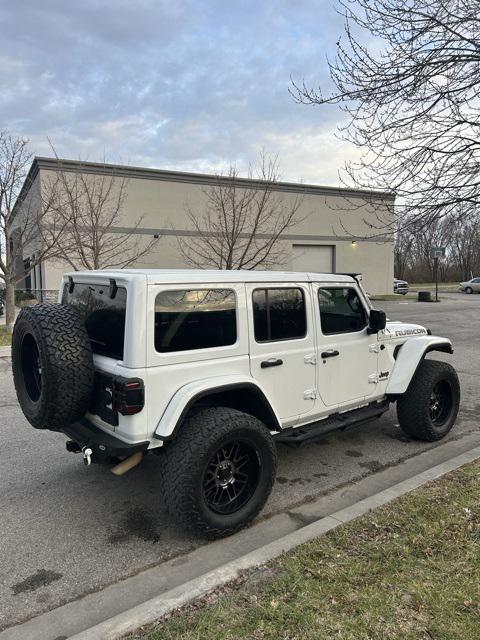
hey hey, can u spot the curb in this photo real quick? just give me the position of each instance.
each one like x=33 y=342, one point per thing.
x=155 y=608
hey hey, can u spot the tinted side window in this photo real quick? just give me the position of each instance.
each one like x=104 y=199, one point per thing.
x=279 y=314
x=341 y=311
x=104 y=317
x=194 y=319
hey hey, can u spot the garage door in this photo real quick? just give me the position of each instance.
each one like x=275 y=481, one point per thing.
x=311 y=257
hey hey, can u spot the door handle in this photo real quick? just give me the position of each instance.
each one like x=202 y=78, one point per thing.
x=272 y=362
x=331 y=353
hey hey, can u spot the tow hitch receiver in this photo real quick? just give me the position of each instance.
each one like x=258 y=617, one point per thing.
x=98 y=446
x=87 y=456
x=73 y=446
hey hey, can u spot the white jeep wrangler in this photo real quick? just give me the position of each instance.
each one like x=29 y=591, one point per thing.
x=209 y=369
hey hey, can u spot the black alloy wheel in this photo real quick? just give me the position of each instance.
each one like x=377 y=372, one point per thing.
x=231 y=477
x=441 y=402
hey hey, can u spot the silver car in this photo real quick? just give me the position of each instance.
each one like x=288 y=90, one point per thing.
x=471 y=286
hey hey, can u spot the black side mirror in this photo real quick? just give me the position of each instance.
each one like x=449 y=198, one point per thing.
x=378 y=321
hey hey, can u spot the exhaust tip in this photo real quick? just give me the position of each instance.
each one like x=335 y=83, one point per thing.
x=127 y=464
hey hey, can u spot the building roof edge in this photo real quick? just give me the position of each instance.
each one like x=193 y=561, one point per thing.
x=133 y=172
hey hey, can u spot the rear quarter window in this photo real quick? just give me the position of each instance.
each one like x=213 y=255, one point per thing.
x=104 y=317
x=188 y=319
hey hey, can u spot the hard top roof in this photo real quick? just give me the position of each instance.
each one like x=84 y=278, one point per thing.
x=185 y=276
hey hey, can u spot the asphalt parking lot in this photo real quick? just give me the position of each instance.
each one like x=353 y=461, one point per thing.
x=67 y=530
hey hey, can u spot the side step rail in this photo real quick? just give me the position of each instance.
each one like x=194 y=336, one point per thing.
x=298 y=436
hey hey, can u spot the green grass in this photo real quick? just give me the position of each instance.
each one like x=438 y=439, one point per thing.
x=450 y=286
x=408 y=571
x=392 y=296
x=5 y=337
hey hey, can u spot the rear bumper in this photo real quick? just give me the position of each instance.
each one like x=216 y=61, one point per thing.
x=103 y=445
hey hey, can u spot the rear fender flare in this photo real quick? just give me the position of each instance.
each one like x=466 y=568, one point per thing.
x=190 y=393
x=409 y=357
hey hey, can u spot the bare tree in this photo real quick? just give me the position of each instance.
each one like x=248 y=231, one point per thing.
x=424 y=238
x=242 y=225
x=413 y=257
x=23 y=232
x=407 y=75
x=465 y=245
x=91 y=206
x=403 y=244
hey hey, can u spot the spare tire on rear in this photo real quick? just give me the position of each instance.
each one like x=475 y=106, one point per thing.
x=52 y=365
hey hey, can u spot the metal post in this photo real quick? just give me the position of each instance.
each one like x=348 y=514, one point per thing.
x=436 y=278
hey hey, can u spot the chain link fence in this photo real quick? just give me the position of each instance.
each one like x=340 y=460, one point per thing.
x=23 y=296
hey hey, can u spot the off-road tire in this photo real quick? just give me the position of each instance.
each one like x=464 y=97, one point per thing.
x=57 y=392
x=414 y=406
x=185 y=460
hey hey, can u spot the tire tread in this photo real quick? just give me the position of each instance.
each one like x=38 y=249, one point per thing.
x=67 y=373
x=411 y=405
x=201 y=427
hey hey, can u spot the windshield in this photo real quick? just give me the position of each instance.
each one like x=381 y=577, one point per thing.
x=104 y=317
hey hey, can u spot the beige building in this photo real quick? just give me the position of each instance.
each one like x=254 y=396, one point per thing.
x=335 y=234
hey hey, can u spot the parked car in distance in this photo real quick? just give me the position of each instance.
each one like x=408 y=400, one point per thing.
x=471 y=286
x=400 y=286
x=2 y=306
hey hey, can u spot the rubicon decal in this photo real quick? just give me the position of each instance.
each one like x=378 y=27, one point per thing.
x=410 y=332
x=383 y=375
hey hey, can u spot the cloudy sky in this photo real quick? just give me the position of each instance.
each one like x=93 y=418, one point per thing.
x=174 y=84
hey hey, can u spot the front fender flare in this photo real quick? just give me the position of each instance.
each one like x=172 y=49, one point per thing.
x=187 y=395
x=411 y=353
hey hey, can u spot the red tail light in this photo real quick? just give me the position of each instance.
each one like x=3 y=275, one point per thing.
x=128 y=395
